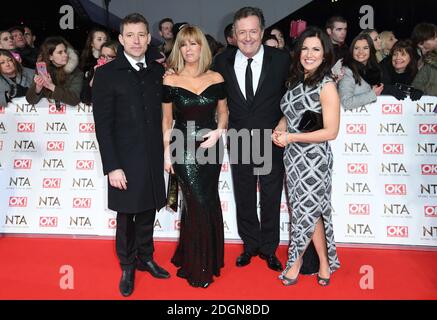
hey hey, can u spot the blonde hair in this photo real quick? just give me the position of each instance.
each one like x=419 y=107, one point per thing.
x=188 y=32
x=384 y=36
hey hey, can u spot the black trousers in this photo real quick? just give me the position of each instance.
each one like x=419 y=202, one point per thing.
x=259 y=235
x=134 y=237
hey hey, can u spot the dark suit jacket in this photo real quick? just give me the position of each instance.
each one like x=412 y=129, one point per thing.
x=127 y=115
x=265 y=112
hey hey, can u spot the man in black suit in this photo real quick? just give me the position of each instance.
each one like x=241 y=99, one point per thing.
x=255 y=77
x=127 y=114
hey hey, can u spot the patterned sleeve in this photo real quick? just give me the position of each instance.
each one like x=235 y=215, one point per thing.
x=221 y=91
x=167 y=94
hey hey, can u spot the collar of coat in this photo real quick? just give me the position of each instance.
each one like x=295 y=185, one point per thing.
x=152 y=54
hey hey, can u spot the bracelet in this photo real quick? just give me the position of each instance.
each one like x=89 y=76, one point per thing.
x=288 y=133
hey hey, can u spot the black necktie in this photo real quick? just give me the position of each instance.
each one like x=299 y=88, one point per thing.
x=140 y=65
x=249 y=82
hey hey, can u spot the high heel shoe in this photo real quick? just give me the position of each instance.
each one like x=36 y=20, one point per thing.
x=288 y=281
x=323 y=281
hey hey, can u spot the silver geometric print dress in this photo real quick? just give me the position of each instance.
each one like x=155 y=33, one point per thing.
x=309 y=174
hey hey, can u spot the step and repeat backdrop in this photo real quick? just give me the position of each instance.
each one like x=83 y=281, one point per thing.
x=384 y=182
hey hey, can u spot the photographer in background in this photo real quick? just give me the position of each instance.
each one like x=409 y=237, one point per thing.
x=14 y=79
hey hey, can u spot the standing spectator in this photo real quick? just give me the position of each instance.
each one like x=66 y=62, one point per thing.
x=424 y=37
x=14 y=79
x=399 y=71
x=28 y=54
x=88 y=60
x=63 y=81
x=279 y=36
x=230 y=36
x=29 y=36
x=166 y=33
x=388 y=39
x=215 y=46
x=361 y=83
x=108 y=52
x=377 y=43
x=270 y=40
x=127 y=114
x=7 y=43
x=336 y=28
x=6 y=40
x=308 y=157
x=426 y=79
x=91 y=52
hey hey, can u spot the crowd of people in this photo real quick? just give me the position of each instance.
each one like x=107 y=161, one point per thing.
x=141 y=95
x=371 y=66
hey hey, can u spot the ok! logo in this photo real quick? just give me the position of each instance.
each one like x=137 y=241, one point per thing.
x=392 y=108
x=356 y=128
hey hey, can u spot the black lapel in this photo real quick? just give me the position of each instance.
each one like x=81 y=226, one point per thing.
x=123 y=64
x=231 y=71
x=267 y=59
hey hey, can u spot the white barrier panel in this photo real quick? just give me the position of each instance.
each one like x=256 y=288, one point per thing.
x=384 y=184
x=385 y=173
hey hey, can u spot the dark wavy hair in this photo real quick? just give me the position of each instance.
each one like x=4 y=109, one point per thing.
x=297 y=72
x=357 y=67
x=407 y=47
x=7 y=53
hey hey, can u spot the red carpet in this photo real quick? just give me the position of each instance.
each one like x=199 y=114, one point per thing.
x=30 y=269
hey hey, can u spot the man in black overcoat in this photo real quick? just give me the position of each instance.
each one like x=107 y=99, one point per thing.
x=127 y=114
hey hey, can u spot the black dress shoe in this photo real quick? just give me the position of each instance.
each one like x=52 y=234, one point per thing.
x=243 y=259
x=272 y=262
x=181 y=273
x=153 y=268
x=199 y=284
x=127 y=282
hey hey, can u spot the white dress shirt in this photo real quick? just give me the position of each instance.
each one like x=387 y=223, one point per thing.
x=240 y=65
x=134 y=62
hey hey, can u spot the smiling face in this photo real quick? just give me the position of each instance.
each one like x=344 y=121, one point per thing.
x=135 y=39
x=361 y=52
x=400 y=60
x=311 y=55
x=248 y=35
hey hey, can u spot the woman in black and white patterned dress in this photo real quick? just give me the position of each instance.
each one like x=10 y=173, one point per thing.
x=308 y=157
